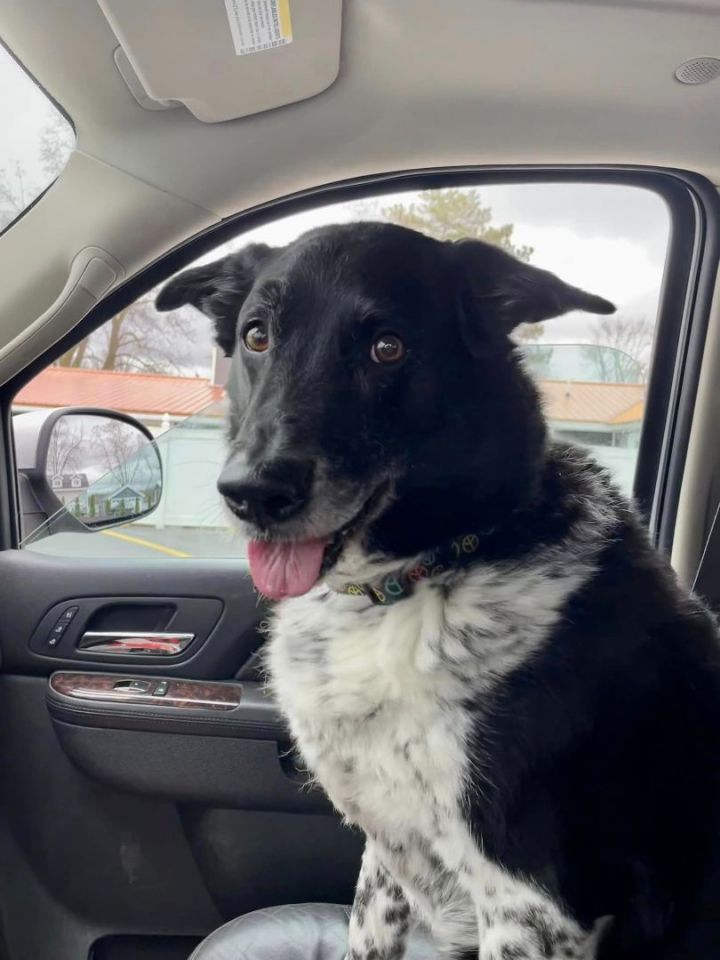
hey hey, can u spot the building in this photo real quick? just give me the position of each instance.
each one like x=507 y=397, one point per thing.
x=70 y=487
x=159 y=402
x=604 y=417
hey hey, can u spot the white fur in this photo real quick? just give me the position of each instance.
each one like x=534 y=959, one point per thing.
x=374 y=698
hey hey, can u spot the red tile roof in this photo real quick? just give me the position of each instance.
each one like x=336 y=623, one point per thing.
x=593 y=402
x=130 y=392
x=183 y=396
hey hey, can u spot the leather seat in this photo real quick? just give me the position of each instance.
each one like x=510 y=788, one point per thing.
x=308 y=931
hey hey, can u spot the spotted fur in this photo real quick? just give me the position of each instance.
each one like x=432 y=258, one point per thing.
x=531 y=744
x=405 y=714
x=383 y=703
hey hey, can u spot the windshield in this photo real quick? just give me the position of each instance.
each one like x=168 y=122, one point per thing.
x=35 y=144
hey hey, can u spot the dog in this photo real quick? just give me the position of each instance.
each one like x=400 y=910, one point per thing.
x=481 y=657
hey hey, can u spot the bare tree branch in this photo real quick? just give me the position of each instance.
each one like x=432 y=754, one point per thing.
x=621 y=348
x=66 y=439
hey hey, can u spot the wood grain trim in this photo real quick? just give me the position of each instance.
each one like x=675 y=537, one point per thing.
x=181 y=694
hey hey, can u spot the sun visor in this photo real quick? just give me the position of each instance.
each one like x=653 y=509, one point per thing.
x=225 y=59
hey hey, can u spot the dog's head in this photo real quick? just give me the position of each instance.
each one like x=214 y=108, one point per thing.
x=375 y=392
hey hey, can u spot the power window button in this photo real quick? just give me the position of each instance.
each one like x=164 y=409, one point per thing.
x=161 y=689
x=63 y=622
x=56 y=633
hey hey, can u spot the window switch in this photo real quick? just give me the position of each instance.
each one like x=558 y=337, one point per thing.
x=56 y=633
x=61 y=626
x=161 y=689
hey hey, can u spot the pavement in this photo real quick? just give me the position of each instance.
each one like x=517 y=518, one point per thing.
x=135 y=541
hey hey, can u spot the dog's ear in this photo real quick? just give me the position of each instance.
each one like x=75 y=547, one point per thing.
x=500 y=292
x=218 y=289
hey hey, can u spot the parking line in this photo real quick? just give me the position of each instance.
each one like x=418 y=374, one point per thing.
x=171 y=551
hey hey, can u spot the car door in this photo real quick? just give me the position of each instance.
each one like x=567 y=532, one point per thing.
x=149 y=787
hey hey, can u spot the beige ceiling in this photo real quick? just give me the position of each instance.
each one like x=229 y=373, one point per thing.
x=422 y=83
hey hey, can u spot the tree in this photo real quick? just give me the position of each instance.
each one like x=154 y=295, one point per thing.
x=65 y=446
x=57 y=142
x=135 y=340
x=620 y=348
x=18 y=184
x=14 y=193
x=459 y=214
x=124 y=452
x=455 y=214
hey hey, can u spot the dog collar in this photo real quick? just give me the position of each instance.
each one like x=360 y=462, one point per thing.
x=459 y=552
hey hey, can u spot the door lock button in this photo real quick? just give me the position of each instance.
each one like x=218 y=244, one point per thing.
x=161 y=689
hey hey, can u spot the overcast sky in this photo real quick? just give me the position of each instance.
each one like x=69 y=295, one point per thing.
x=609 y=240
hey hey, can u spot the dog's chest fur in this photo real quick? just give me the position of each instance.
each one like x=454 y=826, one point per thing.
x=364 y=711
x=376 y=698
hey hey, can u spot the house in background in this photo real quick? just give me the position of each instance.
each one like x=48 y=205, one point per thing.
x=127 y=500
x=70 y=487
x=604 y=417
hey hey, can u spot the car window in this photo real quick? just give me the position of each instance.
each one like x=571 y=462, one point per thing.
x=36 y=140
x=164 y=369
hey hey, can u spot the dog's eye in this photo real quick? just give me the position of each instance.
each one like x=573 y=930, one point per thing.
x=387 y=349
x=256 y=337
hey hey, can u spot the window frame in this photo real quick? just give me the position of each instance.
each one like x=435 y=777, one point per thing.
x=684 y=305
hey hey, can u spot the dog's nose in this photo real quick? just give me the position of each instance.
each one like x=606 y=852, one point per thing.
x=271 y=494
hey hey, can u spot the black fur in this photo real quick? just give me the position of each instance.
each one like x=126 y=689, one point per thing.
x=604 y=781
x=602 y=775
x=457 y=426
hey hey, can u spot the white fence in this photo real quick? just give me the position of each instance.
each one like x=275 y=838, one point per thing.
x=193 y=458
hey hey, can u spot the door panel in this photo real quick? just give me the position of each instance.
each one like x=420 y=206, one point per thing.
x=123 y=818
x=36 y=588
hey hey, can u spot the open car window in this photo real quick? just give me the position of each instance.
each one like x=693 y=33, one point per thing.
x=592 y=371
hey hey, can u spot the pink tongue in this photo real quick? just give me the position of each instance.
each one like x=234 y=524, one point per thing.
x=285 y=569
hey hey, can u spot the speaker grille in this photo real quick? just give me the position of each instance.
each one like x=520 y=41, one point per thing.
x=698 y=70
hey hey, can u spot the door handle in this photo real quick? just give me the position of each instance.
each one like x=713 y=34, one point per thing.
x=130 y=643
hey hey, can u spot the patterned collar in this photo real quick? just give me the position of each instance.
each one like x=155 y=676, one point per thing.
x=459 y=552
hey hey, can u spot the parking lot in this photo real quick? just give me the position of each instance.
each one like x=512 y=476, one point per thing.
x=145 y=542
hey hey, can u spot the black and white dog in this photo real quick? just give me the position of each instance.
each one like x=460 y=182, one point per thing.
x=480 y=656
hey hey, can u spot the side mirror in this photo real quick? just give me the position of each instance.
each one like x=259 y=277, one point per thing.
x=82 y=468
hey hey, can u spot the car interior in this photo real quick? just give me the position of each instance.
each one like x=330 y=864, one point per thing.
x=149 y=791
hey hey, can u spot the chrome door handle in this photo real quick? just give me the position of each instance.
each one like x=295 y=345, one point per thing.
x=129 y=643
